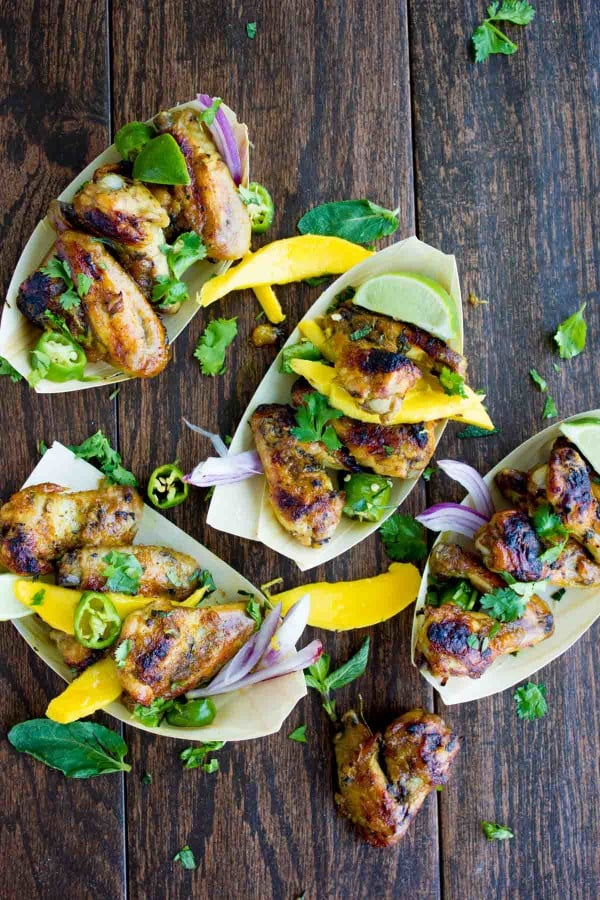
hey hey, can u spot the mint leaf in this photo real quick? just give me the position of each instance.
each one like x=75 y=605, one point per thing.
x=78 y=750
x=359 y=221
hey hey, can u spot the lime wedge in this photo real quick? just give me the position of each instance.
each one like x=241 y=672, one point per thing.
x=161 y=161
x=585 y=434
x=411 y=298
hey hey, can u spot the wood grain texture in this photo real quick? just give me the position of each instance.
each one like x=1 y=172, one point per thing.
x=58 y=837
x=507 y=177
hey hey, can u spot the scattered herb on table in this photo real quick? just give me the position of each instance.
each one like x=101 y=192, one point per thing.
x=530 y=701
x=212 y=344
x=488 y=39
x=359 y=221
x=474 y=431
x=195 y=757
x=504 y=604
x=146 y=778
x=427 y=473
x=494 y=832
x=298 y=734
x=550 y=410
x=322 y=680
x=186 y=857
x=97 y=449
x=78 y=750
x=123 y=572
x=251 y=30
x=312 y=421
x=7 y=369
x=538 y=380
x=403 y=538
x=571 y=334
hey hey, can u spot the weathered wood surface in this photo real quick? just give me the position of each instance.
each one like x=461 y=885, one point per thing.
x=342 y=99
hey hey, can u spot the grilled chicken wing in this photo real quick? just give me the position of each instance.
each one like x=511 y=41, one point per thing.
x=302 y=495
x=377 y=379
x=445 y=630
x=210 y=205
x=396 y=451
x=39 y=524
x=165 y=572
x=570 y=492
x=451 y=561
x=173 y=648
x=114 y=321
x=73 y=653
x=418 y=750
x=125 y=212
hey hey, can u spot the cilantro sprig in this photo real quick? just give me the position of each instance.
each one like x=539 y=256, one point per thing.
x=322 y=680
x=97 y=449
x=312 y=421
x=73 y=293
x=122 y=572
x=530 y=701
x=504 y=604
x=187 y=249
x=403 y=538
x=212 y=344
x=488 y=39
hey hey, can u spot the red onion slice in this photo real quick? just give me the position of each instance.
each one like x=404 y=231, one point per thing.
x=224 y=138
x=227 y=470
x=452 y=517
x=215 y=439
x=472 y=481
x=290 y=631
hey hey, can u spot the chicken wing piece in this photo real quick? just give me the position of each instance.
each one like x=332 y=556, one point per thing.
x=210 y=205
x=574 y=567
x=174 y=648
x=509 y=543
x=113 y=321
x=39 y=524
x=302 y=495
x=451 y=561
x=74 y=654
x=442 y=641
x=165 y=571
x=570 y=492
x=378 y=379
x=396 y=451
x=418 y=751
x=126 y=213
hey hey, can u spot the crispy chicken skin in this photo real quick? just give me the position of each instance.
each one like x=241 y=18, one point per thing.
x=570 y=493
x=124 y=211
x=396 y=451
x=174 y=648
x=444 y=630
x=73 y=653
x=301 y=493
x=39 y=524
x=378 y=379
x=418 y=750
x=451 y=561
x=165 y=572
x=114 y=321
x=210 y=205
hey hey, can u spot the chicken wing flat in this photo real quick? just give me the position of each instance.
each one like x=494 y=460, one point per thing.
x=113 y=321
x=418 y=750
x=74 y=654
x=570 y=493
x=39 y=524
x=165 y=572
x=451 y=561
x=396 y=451
x=173 y=648
x=442 y=641
x=125 y=212
x=210 y=205
x=302 y=495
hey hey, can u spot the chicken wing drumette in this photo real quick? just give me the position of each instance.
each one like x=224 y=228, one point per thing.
x=570 y=493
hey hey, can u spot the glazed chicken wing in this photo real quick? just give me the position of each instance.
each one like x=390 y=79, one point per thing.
x=418 y=750
x=570 y=493
x=301 y=493
x=74 y=654
x=174 y=648
x=442 y=641
x=165 y=571
x=39 y=524
x=377 y=379
x=210 y=205
x=451 y=561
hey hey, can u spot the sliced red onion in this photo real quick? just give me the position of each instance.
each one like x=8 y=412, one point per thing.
x=472 y=481
x=452 y=517
x=290 y=631
x=215 y=439
x=227 y=470
x=224 y=138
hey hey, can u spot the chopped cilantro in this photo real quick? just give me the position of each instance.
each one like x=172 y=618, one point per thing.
x=474 y=431
x=473 y=641
x=298 y=734
x=122 y=651
x=538 y=380
x=494 y=832
x=123 y=572
x=186 y=250
x=186 y=857
x=427 y=473
x=195 y=757
x=146 y=778
x=530 y=701
x=488 y=39
x=452 y=382
x=550 y=410
x=212 y=344
x=208 y=116
x=97 y=449
x=254 y=610
x=38 y=597
x=360 y=333
x=503 y=604
x=251 y=30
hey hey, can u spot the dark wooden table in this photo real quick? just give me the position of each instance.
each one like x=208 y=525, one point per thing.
x=497 y=163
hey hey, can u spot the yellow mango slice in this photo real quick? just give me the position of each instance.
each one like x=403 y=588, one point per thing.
x=271 y=306
x=94 y=689
x=291 y=259
x=356 y=604
x=314 y=333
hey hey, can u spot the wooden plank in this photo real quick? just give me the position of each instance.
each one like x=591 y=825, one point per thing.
x=59 y=837
x=507 y=177
x=324 y=88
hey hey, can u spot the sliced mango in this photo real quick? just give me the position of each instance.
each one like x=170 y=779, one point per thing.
x=291 y=259
x=425 y=402
x=313 y=332
x=94 y=689
x=356 y=604
x=271 y=306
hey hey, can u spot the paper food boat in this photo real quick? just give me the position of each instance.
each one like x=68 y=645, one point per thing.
x=244 y=509
x=577 y=610
x=241 y=715
x=18 y=336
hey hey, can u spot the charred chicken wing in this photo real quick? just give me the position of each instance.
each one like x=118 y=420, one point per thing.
x=418 y=750
x=570 y=493
x=164 y=571
x=301 y=493
x=451 y=561
x=210 y=205
x=39 y=524
x=74 y=654
x=174 y=648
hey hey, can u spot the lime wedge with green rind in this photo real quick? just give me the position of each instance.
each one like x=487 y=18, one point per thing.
x=161 y=161
x=411 y=298
x=585 y=434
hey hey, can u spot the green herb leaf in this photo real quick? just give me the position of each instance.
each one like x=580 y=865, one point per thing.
x=359 y=221
x=207 y=581
x=550 y=555
x=84 y=283
x=298 y=734
x=208 y=116
x=360 y=333
x=452 y=382
x=474 y=431
x=559 y=594
x=40 y=366
x=78 y=750
x=519 y=12
x=403 y=538
x=169 y=291
x=538 y=380
x=312 y=419
x=503 y=604
x=186 y=857
x=152 y=715
x=548 y=524
x=212 y=344
x=122 y=651
x=571 y=334
x=254 y=610
x=350 y=670
x=98 y=450
x=195 y=757
x=530 y=701
x=251 y=30
x=58 y=268
x=146 y=778
x=7 y=369
x=123 y=572
x=303 y=350
x=38 y=597
x=427 y=472
x=473 y=641
x=186 y=250
x=494 y=832
x=487 y=39
x=550 y=410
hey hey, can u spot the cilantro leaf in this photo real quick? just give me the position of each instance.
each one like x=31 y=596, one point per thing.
x=254 y=610
x=474 y=431
x=538 y=380
x=571 y=334
x=312 y=418
x=38 y=597
x=97 y=449
x=153 y=714
x=452 y=382
x=186 y=857
x=488 y=39
x=84 y=283
x=548 y=524
x=550 y=410
x=303 y=350
x=550 y=555
x=298 y=735
x=494 y=832
x=212 y=344
x=503 y=604
x=207 y=581
x=71 y=296
x=530 y=701
x=426 y=473
x=186 y=250
x=40 y=366
x=58 y=268
x=519 y=12
x=208 y=116
x=7 y=369
x=195 y=757
x=360 y=333
x=403 y=538
x=122 y=651
x=322 y=680
x=251 y=30
x=123 y=572
x=169 y=291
